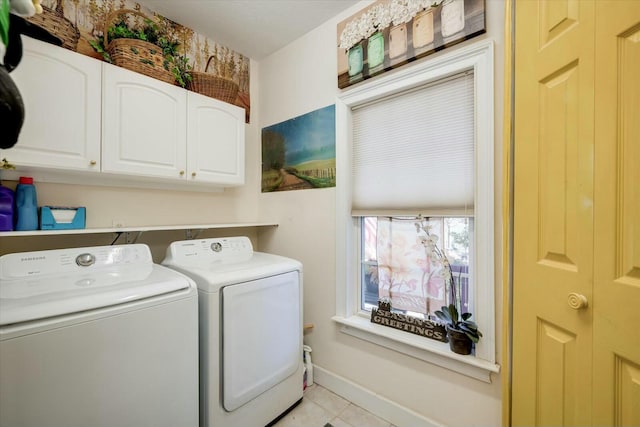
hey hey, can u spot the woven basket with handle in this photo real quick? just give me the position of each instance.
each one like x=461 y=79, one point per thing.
x=57 y=25
x=137 y=55
x=213 y=86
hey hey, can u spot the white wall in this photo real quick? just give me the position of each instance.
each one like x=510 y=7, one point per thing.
x=301 y=78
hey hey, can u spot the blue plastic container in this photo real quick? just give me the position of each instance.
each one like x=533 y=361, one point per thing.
x=26 y=205
x=6 y=208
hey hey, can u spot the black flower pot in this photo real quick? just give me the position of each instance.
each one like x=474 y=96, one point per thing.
x=459 y=342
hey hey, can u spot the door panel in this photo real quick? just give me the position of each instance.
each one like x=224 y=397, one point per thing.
x=556 y=17
x=557 y=149
x=557 y=353
x=627 y=393
x=616 y=323
x=553 y=217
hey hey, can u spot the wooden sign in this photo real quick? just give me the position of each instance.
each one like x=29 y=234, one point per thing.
x=425 y=328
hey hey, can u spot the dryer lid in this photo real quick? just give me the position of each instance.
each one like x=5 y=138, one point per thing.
x=43 y=284
x=211 y=275
x=217 y=262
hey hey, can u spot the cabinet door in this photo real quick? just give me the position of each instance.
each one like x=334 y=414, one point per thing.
x=144 y=125
x=215 y=141
x=61 y=95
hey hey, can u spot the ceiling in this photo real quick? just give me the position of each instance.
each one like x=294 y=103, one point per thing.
x=254 y=28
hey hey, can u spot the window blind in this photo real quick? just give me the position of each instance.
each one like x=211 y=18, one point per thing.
x=414 y=151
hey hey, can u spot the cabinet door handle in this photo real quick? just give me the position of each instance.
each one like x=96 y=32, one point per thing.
x=93 y=162
x=193 y=174
x=181 y=173
x=577 y=301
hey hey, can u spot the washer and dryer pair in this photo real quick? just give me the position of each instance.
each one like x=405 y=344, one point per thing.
x=102 y=336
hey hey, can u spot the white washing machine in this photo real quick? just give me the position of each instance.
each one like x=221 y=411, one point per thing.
x=250 y=329
x=99 y=337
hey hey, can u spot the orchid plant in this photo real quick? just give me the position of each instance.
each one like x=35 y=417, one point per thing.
x=451 y=314
x=437 y=256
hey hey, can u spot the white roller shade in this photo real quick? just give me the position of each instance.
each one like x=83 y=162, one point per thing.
x=415 y=150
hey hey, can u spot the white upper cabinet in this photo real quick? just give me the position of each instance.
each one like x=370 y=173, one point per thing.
x=215 y=141
x=86 y=115
x=61 y=95
x=144 y=125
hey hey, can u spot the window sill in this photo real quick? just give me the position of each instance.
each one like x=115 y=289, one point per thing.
x=431 y=351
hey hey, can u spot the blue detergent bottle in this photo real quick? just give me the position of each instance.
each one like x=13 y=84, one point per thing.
x=26 y=205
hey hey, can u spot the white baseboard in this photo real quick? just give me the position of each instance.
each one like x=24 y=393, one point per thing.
x=384 y=408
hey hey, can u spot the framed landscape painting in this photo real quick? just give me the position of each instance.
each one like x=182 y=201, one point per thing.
x=300 y=153
x=391 y=33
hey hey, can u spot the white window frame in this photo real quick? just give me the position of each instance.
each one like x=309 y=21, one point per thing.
x=479 y=58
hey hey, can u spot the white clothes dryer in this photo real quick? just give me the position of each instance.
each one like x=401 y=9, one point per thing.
x=96 y=336
x=250 y=309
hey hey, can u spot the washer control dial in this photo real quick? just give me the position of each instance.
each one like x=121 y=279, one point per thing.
x=85 y=260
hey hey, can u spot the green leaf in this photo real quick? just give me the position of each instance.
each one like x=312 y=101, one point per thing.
x=472 y=337
x=453 y=311
x=466 y=328
x=443 y=315
x=465 y=316
x=471 y=324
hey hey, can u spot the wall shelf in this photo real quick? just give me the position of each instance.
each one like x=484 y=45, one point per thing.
x=136 y=229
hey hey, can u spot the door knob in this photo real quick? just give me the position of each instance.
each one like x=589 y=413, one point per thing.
x=92 y=162
x=577 y=301
x=193 y=174
x=181 y=173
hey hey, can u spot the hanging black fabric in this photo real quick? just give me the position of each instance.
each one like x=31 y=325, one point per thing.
x=11 y=106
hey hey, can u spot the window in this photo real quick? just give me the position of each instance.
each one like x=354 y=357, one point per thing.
x=453 y=235
x=447 y=180
x=413 y=153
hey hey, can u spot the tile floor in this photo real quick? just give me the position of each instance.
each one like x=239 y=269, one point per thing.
x=319 y=406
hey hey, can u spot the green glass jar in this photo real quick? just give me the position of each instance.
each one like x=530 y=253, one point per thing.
x=375 y=50
x=354 y=56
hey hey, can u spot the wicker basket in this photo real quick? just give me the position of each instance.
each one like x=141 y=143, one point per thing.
x=58 y=26
x=137 y=55
x=213 y=86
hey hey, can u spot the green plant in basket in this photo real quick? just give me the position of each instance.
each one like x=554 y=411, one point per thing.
x=149 y=32
x=180 y=68
x=98 y=46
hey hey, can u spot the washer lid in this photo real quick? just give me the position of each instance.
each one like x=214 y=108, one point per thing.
x=38 y=285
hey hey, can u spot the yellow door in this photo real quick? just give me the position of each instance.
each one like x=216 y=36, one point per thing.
x=576 y=286
x=616 y=290
x=553 y=212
